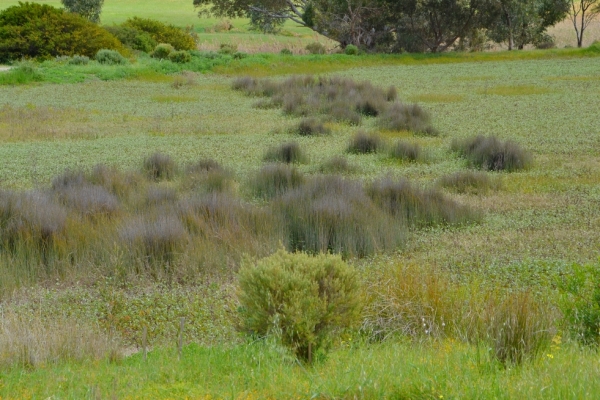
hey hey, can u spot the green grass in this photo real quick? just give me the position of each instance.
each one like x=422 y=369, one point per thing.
x=389 y=370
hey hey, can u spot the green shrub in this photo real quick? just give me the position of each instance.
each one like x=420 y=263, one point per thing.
x=110 y=57
x=275 y=179
x=162 y=33
x=79 y=60
x=24 y=73
x=133 y=38
x=64 y=34
x=351 y=50
x=227 y=48
x=581 y=303
x=286 y=52
x=88 y=9
x=238 y=55
x=162 y=51
x=302 y=300
x=286 y=153
x=316 y=48
x=491 y=154
x=180 y=57
x=160 y=166
x=365 y=143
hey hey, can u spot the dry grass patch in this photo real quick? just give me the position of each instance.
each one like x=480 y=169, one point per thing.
x=174 y=99
x=32 y=343
x=437 y=98
x=516 y=90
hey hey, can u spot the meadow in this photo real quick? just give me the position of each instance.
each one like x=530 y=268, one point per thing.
x=75 y=321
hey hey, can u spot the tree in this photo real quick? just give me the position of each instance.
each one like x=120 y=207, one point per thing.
x=582 y=13
x=89 y=9
x=521 y=22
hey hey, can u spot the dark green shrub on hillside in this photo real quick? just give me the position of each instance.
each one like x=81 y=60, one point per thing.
x=180 y=57
x=133 y=38
x=64 y=34
x=303 y=301
x=489 y=153
x=163 y=33
x=110 y=57
x=351 y=50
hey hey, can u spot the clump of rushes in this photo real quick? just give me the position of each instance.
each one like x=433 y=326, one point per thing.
x=340 y=99
x=406 y=151
x=311 y=127
x=331 y=214
x=208 y=176
x=275 y=179
x=160 y=166
x=491 y=154
x=337 y=164
x=365 y=143
x=417 y=207
x=286 y=153
x=472 y=182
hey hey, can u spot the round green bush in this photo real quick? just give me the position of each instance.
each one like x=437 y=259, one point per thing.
x=286 y=52
x=316 y=48
x=303 y=300
x=163 y=33
x=162 y=51
x=110 y=57
x=351 y=50
x=64 y=34
x=180 y=57
x=79 y=60
x=133 y=38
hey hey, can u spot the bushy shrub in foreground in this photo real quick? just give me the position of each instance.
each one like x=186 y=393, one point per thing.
x=160 y=166
x=303 y=300
x=162 y=51
x=64 y=34
x=133 y=38
x=489 y=153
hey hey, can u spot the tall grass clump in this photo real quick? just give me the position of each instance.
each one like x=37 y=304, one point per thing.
x=519 y=328
x=331 y=214
x=365 y=143
x=275 y=179
x=418 y=207
x=339 y=99
x=286 y=153
x=311 y=127
x=24 y=73
x=407 y=117
x=338 y=165
x=32 y=221
x=489 y=153
x=154 y=240
x=160 y=166
x=406 y=151
x=472 y=182
x=580 y=303
x=32 y=343
x=304 y=301
x=208 y=176
x=75 y=191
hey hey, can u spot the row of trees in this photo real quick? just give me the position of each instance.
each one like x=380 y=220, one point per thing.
x=414 y=25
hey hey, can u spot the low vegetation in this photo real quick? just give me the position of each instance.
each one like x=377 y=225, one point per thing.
x=489 y=153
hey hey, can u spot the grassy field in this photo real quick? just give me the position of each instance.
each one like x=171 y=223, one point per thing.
x=445 y=281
